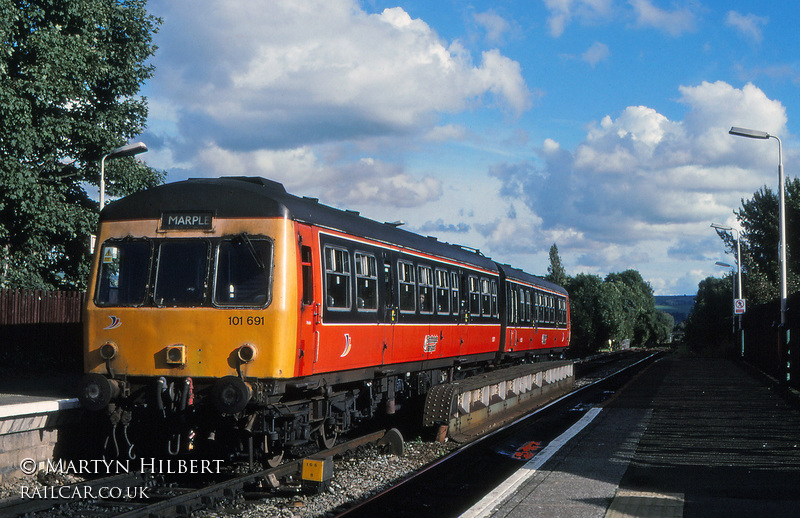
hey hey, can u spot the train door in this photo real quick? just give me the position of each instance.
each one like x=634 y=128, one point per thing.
x=455 y=314
x=310 y=309
x=513 y=318
x=464 y=316
x=426 y=309
x=388 y=308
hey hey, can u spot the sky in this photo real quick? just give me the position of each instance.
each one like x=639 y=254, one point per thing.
x=600 y=126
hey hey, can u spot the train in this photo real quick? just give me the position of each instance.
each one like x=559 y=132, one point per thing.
x=227 y=316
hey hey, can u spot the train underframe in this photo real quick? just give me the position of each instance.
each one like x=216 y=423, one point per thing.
x=258 y=421
x=255 y=420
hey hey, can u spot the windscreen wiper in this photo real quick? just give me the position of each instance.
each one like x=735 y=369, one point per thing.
x=252 y=250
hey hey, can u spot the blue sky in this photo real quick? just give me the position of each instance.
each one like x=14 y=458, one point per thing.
x=598 y=125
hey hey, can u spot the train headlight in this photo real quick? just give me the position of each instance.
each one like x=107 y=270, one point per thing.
x=108 y=351
x=246 y=353
x=231 y=395
x=97 y=391
x=176 y=354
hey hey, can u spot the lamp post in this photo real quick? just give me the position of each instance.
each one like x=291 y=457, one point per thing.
x=738 y=289
x=128 y=150
x=749 y=133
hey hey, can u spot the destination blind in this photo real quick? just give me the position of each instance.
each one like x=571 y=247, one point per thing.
x=187 y=220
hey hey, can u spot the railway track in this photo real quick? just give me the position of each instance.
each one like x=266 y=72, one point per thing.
x=136 y=494
x=454 y=483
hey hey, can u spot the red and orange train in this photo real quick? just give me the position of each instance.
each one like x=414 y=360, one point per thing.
x=228 y=314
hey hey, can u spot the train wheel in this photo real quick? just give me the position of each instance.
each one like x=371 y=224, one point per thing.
x=327 y=435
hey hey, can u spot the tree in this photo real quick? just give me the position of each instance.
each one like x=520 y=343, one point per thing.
x=70 y=72
x=556 y=272
x=758 y=218
x=621 y=307
x=709 y=323
x=585 y=297
x=638 y=306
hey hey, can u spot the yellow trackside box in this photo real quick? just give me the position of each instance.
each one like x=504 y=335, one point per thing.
x=317 y=470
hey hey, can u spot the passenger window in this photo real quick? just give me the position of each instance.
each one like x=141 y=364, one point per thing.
x=337 y=278
x=407 y=286
x=124 y=268
x=366 y=282
x=442 y=293
x=494 y=298
x=181 y=273
x=243 y=269
x=528 y=313
x=486 y=297
x=455 y=286
x=539 y=316
x=425 y=281
x=474 y=296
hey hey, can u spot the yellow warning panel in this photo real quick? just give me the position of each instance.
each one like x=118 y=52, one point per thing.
x=317 y=470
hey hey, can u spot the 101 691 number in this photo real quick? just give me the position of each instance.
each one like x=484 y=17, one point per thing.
x=246 y=321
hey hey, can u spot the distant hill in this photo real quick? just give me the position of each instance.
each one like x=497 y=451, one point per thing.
x=678 y=306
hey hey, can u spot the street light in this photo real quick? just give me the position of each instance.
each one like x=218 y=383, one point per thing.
x=127 y=150
x=744 y=132
x=738 y=290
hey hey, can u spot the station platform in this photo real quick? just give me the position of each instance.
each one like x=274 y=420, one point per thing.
x=688 y=437
x=33 y=411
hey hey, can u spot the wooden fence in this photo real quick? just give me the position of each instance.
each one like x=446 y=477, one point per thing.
x=40 y=307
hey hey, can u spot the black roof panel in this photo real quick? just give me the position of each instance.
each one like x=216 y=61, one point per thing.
x=253 y=197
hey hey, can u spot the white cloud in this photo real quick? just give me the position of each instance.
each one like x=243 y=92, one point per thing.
x=495 y=26
x=672 y=22
x=749 y=25
x=362 y=183
x=447 y=133
x=298 y=73
x=596 y=53
x=640 y=176
x=715 y=107
x=562 y=12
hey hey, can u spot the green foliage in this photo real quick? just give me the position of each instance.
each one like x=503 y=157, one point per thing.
x=678 y=306
x=709 y=324
x=758 y=218
x=70 y=72
x=585 y=300
x=608 y=312
x=556 y=272
x=638 y=306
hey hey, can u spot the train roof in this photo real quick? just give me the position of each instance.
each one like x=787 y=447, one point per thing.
x=255 y=197
x=516 y=274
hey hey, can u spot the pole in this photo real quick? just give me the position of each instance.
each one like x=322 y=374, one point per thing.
x=127 y=150
x=103 y=181
x=784 y=330
x=783 y=338
x=739 y=290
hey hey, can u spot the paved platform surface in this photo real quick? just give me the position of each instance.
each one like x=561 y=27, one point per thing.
x=31 y=395
x=686 y=438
